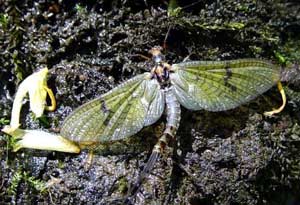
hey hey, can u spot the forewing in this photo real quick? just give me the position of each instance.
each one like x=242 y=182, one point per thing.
x=221 y=85
x=117 y=114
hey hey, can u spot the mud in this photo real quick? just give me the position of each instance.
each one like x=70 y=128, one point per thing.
x=233 y=157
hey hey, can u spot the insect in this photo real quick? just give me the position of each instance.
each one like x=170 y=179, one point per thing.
x=140 y=102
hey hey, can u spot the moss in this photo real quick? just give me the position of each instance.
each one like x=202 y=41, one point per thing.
x=123 y=185
x=4 y=21
x=37 y=184
x=22 y=176
x=290 y=50
x=4 y=121
x=16 y=179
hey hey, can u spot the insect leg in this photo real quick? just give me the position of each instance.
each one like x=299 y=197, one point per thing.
x=142 y=56
x=89 y=160
x=283 y=96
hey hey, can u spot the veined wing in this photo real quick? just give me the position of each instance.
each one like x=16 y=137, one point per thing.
x=118 y=114
x=222 y=85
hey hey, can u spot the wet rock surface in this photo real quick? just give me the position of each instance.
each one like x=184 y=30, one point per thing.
x=233 y=157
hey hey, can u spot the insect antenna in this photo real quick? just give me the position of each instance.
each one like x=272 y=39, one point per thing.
x=166 y=38
x=173 y=10
x=192 y=4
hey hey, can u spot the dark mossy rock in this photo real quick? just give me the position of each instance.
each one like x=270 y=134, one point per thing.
x=233 y=157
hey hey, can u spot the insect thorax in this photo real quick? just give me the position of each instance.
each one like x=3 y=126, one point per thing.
x=161 y=69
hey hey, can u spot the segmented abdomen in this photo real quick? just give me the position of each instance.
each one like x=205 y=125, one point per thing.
x=173 y=110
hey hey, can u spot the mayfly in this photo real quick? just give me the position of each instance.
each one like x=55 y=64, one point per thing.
x=140 y=102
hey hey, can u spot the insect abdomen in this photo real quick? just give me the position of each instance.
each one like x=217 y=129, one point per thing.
x=173 y=110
